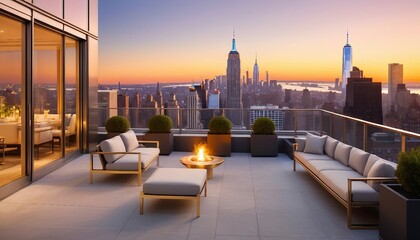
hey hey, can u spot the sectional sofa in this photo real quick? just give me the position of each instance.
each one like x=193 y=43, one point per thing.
x=351 y=175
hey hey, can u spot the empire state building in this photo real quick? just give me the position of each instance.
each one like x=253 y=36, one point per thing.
x=234 y=91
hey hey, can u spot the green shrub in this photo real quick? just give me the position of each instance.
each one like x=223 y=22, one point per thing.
x=408 y=171
x=263 y=126
x=160 y=124
x=117 y=124
x=220 y=125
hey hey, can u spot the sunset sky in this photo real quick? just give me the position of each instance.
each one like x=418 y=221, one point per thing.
x=145 y=41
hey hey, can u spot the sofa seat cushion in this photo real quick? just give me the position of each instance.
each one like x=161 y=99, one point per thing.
x=337 y=181
x=304 y=157
x=322 y=165
x=114 y=144
x=130 y=162
x=130 y=140
x=146 y=151
x=175 y=181
x=314 y=144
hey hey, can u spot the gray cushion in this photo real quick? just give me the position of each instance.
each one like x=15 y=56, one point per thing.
x=380 y=169
x=358 y=159
x=303 y=157
x=330 y=145
x=114 y=144
x=342 y=153
x=371 y=160
x=314 y=144
x=322 y=165
x=301 y=144
x=130 y=161
x=130 y=140
x=175 y=181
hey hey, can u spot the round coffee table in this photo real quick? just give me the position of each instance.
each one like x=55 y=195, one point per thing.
x=190 y=162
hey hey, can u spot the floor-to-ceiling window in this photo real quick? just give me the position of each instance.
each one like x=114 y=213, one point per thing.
x=12 y=166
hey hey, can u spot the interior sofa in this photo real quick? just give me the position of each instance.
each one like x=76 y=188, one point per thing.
x=124 y=154
x=342 y=169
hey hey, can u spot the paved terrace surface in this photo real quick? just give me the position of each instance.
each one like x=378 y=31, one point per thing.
x=249 y=198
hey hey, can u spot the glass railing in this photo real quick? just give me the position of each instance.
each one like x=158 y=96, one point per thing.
x=381 y=140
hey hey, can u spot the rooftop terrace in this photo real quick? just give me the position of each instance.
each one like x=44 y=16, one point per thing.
x=248 y=198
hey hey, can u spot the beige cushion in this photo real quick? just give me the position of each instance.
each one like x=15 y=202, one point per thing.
x=146 y=151
x=358 y=159
x=314 y=144
x=130 y=140
x=337 y=181
x=330 y=145
x=114 y=144
x=371 y=160
x=304 y=157
x=380 y=169
x=301 y=144
x=175 y=181
x=322 y=165
x=342 y=153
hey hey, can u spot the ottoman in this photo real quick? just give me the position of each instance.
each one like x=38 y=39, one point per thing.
x=175 y=183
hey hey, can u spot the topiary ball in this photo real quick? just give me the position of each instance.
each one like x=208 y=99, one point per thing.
x=220 y=125
x=117 y=124
x=263 y=126
x=408 y=171
x=160 y=124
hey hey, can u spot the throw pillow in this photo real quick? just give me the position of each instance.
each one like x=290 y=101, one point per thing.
x=371 y=160
x=380 y=169
x=342 y=153
x=315 y=144
x=358 y=159
x=130 y=140
x=301 y=144
x=330 y=146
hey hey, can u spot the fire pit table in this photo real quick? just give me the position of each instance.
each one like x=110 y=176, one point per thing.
x=202 y=161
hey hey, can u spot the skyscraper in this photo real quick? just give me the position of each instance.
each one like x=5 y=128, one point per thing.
x=347 y=64
x=172 y=109
x=395 y=77
x=234 y=91
x=256 y=73
x=193 y=114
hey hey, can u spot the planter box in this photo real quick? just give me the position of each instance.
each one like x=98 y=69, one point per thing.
x=264 y=145
x=219 y=144
x=399 y=217
x=166 y=141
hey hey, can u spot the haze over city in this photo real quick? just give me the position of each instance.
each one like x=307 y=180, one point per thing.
x=187 y=40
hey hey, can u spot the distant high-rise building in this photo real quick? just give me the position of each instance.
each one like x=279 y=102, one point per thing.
x=270 y=111
x=248 y=80
x=123 y=104
x=149 y=109
x=214 y=100
x=172 y=110
x=266 y=79
x=234 y=90
x=135 y=111
x=363 y=98
x=306 y=99
x=395 y=77
x=212 y=85
x=347 y=64
x=193 y=114
x=107 y=104
x=256 y=74
x=159 y=97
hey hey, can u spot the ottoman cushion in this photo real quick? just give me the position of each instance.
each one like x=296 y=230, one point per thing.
x=175 y=181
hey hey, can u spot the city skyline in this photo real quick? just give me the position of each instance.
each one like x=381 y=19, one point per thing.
x=186 y=41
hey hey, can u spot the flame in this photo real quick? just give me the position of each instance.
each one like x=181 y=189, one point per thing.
x=201 y=152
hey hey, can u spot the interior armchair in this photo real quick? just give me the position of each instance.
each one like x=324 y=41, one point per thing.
x=43 y=135
x=69 y=131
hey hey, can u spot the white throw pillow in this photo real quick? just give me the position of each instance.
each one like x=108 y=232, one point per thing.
x=130 y=140
x=315 y=144
x=114 y=144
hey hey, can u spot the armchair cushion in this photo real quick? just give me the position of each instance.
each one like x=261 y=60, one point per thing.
x=130 y=140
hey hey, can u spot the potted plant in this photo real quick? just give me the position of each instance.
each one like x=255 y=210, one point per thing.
x=399 y=204
x=264 y=141
x=116 y=125
x=219 y=138
x=160 y=130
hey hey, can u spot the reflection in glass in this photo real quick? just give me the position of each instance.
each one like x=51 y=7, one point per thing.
x=76 y=12
x=11 y=163
x=52 y=6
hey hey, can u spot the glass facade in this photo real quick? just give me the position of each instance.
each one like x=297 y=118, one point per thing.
x=43 y=70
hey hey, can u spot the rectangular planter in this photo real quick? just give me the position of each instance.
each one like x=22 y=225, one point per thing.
x=166 y=141
x=399 y=217
x=219 y=144
x=264 y=145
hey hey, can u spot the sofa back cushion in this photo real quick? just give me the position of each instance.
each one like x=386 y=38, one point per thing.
x=301 y=144
x=371 y=160
x=330 y=145
x=381 y=168
x=358 y=159
x=130 y=140
x=315 y=144
x=342 y=153
x=114 y=144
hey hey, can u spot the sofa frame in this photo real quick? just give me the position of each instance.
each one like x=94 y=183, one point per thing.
x=348 y=203
x=139 y=170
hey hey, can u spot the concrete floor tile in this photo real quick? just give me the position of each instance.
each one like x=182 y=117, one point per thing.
x=238 y=223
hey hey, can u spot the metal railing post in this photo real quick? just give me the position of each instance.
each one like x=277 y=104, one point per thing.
x=294 y=123
x=322 y=123
x=403 y=143
x=365 y=136
x=180 y=121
